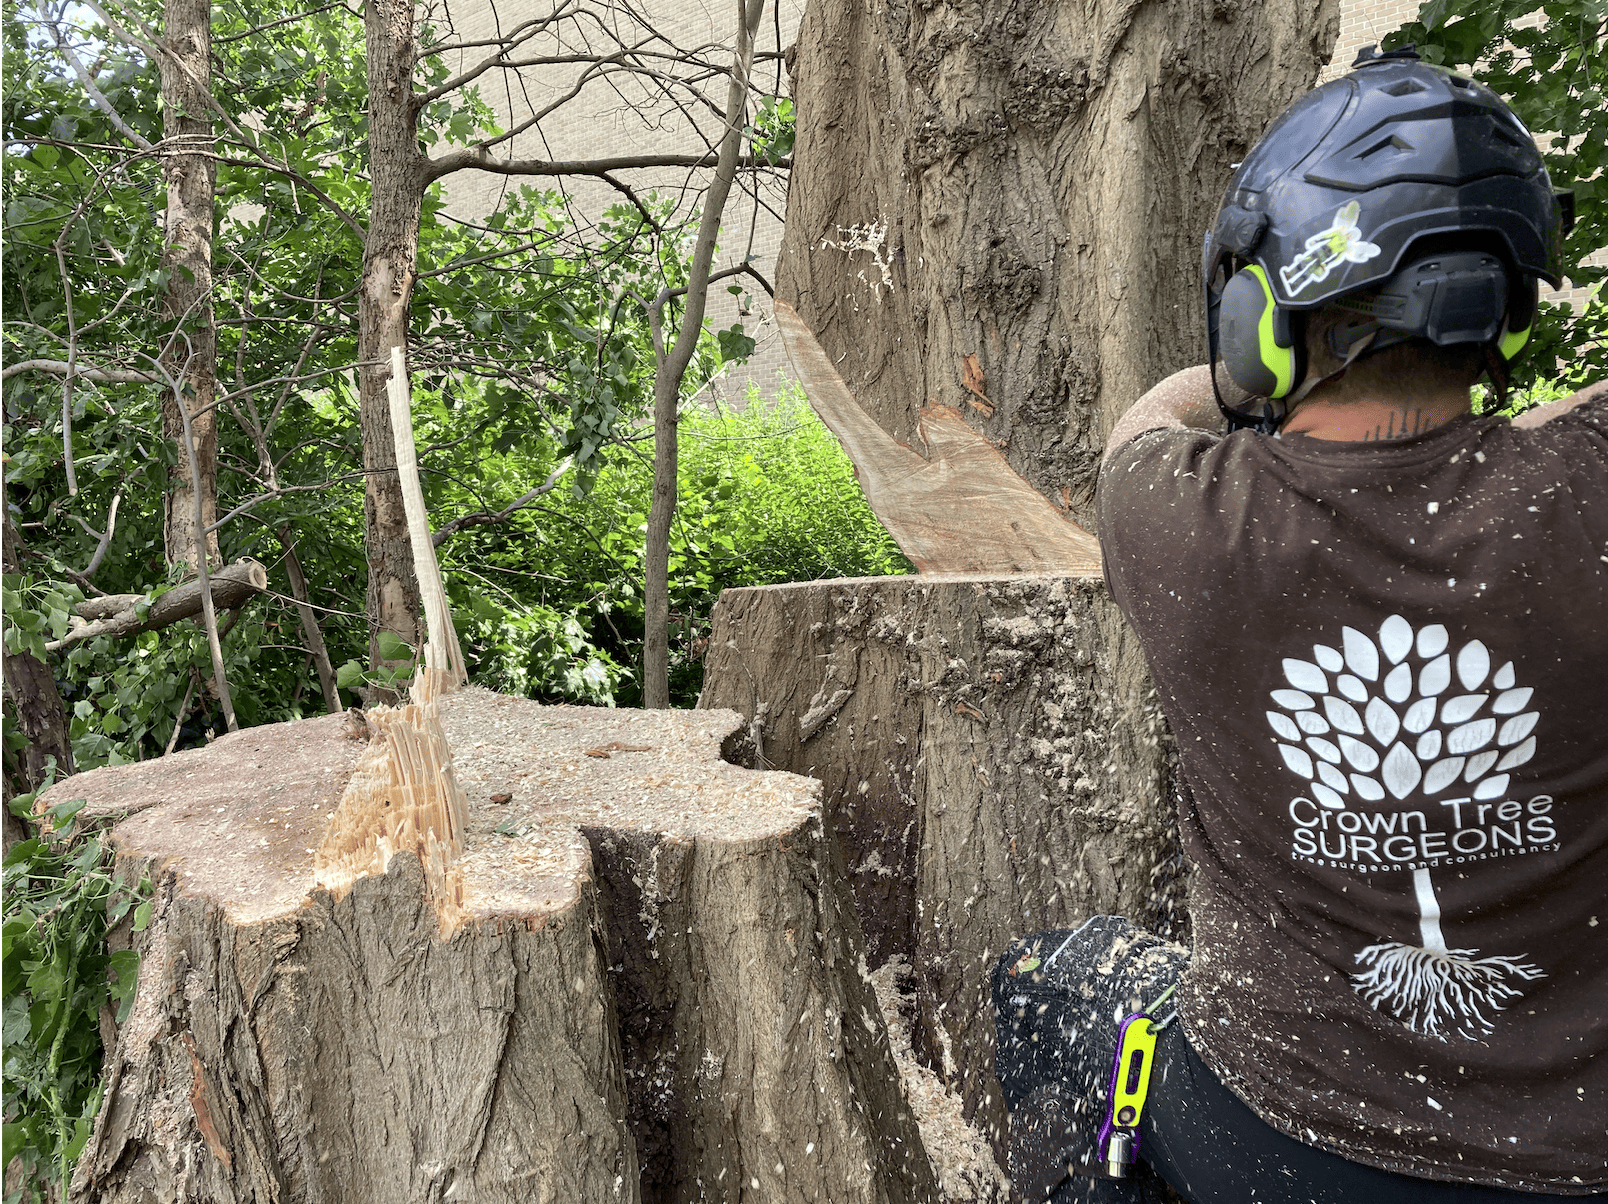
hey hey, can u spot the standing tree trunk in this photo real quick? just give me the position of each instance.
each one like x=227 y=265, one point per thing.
x=672 y=366
x=999 y=207
x=35 y=701
x=390 y=252
x=191 y=353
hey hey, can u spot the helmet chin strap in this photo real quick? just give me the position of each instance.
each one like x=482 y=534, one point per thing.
x=1274 y=412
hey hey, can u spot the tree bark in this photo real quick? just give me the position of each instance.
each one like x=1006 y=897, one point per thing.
x=998 y=207
x=118 y=614
x=670 y=1007
x=993 y=762
x=35 y=699
x=191 y=352
x=390 y=253
x=670 y=367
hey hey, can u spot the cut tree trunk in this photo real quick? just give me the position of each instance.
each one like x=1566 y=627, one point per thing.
x=670 y=1007
x=993 y=762
x=191 y=354
x=998 y=207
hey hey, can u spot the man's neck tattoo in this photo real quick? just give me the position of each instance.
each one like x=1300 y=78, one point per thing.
x=1400 y=424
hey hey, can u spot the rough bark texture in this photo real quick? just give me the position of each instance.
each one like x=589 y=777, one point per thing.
x=686 y=980
x=119 y=614
x=993 y=762
x=390 y=254
x=35 y=702
x=998 y=207
x=191 y=356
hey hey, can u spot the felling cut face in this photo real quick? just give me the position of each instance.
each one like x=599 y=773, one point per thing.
x=1406 y=750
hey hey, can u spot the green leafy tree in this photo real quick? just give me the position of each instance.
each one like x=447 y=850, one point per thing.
x=1554 y=72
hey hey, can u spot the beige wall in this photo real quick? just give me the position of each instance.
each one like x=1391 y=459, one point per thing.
x=619 y=117
x=606 y=121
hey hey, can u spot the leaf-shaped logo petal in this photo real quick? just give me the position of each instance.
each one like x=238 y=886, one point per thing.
x=1471 y=737
x=1494 y=787
x=1517 y=728
x=1473 y=663
x=1518 y=756
x=1297 y=759
x=1367 y=788
x=1479 y=763
x=1429 y=745
x=1312 y=723
x=1360 y=755
x=1512 y=700
x=1328 y=658
x=1442 y=774
x=1362 y=658
x=1333 y=778
x=1395 y=638
x=1294 y=700
x=1324 y=749
x=1382 y=722
x=1432 y=641
x=1400 y=771
x=1434 y=677
x=1283 y=725
x=1351 y=687
x=1504 y=677
x=1462 y=708
x=1342 y=714
x=1327 y=798
x=1399 y=683
x=1420 y=715
x=1304 y=675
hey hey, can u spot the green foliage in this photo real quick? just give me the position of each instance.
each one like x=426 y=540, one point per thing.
x=1555 y=75
x=775 y=126
x=765 y=495
x=60 y=901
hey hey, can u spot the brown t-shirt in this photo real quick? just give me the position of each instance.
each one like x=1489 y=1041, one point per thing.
x=1386 y=666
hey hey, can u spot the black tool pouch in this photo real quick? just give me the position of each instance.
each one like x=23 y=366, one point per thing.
x=1059 y=998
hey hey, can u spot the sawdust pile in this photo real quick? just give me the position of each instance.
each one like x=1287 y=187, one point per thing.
x=962 y=1161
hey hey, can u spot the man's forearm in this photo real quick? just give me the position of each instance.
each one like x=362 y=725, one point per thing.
x=1553 y=409
x=1184 y=399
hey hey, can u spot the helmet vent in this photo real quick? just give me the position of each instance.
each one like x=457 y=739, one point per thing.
x=1458 y=81
x=1393 y=143
x=1404 y=87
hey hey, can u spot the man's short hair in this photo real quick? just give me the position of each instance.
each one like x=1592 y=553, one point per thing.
x=1459 y=364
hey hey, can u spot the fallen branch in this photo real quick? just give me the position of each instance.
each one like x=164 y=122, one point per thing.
x=118 y=614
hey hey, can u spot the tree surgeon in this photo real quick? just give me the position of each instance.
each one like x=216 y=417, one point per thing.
x=1378 y=623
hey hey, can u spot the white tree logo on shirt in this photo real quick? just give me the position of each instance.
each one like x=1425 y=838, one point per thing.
x=1381 y=717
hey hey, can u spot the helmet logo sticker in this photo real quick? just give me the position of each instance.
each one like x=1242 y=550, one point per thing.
x=1341 y=243
x=1383 y=731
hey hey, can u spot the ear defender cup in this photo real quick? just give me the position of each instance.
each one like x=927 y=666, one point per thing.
x=1520 y=321
x=1259 y=341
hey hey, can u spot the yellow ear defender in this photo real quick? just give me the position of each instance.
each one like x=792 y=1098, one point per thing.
x=1261 y=344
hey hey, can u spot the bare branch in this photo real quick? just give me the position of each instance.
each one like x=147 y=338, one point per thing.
x=95 y=94
x=107 y=376
x=486 y=517
x=480 y=160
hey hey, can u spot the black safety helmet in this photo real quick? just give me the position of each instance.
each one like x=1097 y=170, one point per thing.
x=1401 y=175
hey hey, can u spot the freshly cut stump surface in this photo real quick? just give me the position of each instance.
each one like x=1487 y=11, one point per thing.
x=655 y=989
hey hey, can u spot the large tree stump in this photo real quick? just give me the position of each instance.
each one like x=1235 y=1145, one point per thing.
x=993 y=762
x=649 y=986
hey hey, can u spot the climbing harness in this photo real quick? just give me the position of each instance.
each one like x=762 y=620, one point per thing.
x=1117 y=1145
